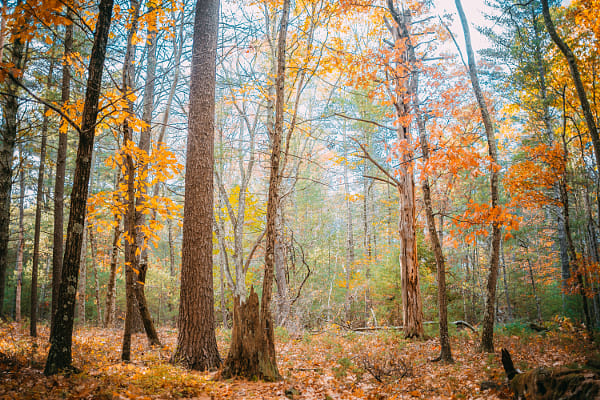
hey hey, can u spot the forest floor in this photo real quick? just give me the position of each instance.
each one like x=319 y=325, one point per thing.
x=330 y=364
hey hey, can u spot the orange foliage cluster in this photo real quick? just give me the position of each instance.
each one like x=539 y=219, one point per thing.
x=530 y=180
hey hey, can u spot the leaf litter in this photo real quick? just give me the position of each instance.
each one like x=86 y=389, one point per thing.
x=334 y=364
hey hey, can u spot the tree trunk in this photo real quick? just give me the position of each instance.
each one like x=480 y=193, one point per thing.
x=405 y=90
x=506 y=293
x=130 y=233
x=59 y=178
x=59 y=356
x=252 y=352
x=349 y=233
x=7 y=147
x=196 y=341
x=283 y=297
x=38 y=218
x=21 y=237
x=112 y=277
x=445 y=349
x=487 y=333
x=140 y=217
x=82 y=281
x=93 y=249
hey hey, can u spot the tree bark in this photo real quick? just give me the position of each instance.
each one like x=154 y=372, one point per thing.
x=196 y=341
x=59 y=356
x=59 y=178
x=405 y=90
x=487 y=333
x=7 y=147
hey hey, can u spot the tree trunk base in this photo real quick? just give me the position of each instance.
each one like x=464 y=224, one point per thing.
x=250 y=355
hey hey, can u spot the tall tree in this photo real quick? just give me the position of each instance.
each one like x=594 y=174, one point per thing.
x=252 y=351
x=61 y=165
x=59 y=355
x=7 y=145
x=38 y=213
x=196 y=341
x=487 y=333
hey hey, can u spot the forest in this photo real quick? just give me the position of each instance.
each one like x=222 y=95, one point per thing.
x=303 y=199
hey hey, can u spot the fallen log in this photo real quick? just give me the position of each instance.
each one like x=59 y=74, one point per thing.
x=464 y=324
x=552 y=383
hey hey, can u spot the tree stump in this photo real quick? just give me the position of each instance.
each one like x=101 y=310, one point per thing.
x=250 y=354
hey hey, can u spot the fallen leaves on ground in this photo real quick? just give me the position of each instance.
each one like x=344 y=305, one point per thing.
x=333 y=364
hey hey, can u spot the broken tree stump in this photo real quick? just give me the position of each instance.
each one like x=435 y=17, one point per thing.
x=552 y=383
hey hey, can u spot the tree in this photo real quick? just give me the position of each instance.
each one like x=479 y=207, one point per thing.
x=487 y=333
x=7 y=146
x=59 y=355
x=196 y=341
x=61 y=165
x=252 y=351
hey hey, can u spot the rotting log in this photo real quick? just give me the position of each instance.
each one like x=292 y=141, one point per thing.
x=552 y=383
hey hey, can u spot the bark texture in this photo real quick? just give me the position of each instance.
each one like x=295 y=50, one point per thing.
x=196 y=341
x=487 y=333
x=59 y=356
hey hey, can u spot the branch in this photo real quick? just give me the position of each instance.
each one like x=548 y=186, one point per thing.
x=368 y=156
x=363 y=120
x=256 y=244
x=45 y=102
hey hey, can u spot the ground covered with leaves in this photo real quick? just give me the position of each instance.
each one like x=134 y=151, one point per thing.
x=330 y=364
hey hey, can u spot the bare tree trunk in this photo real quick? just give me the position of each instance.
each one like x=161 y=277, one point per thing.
x=82 y=282
x=59 y=178
x=109 y=316
x=404 y=91
x=7 y=146
x=93 y=249
x=196 y=341
x=506 y=293
x=59 y=356
x=283 y=297
x=349 y=233
x=21 y=237
x=487 y=333
x=38 y=218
